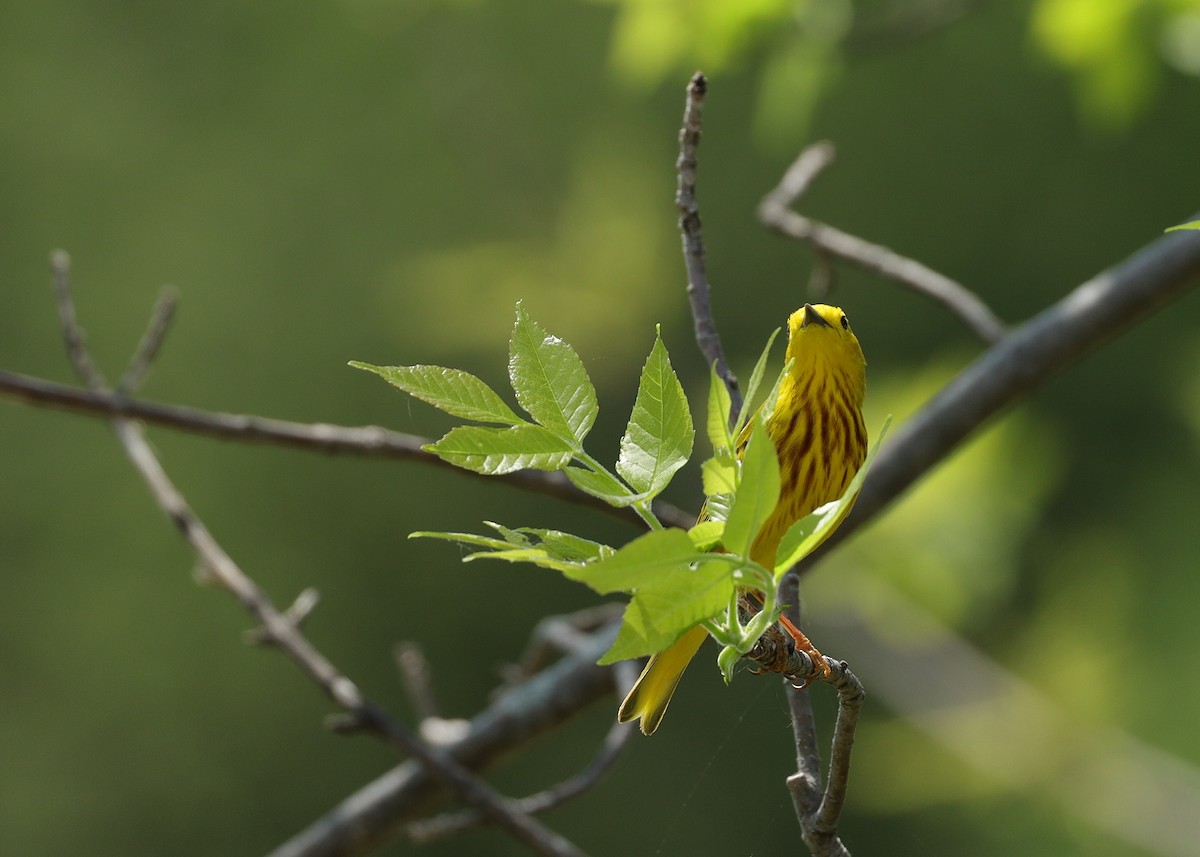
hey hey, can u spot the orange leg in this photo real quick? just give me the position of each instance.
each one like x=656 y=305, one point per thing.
x=805 y=645
x=799 y=637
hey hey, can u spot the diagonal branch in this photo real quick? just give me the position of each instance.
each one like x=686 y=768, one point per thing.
x=283 y=631
x=518 y=715
x=775 y=211
x=1111 y=302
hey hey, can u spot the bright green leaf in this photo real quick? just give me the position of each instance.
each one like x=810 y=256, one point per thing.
x=716 y=507
x=806 y=535
x=493 y=451
x=568 y=546
x=757 y=494
x=643 y=561
x=536 y=556
x=458 y=393
x=462 y=538
x=719 y=477
x=1195 y=224
x=659 y=612
x=603 y=485
x=755 y=380
x=514 y=538
x=706 y=535
x=719 y=405
x=658 y=439
x=550 y=381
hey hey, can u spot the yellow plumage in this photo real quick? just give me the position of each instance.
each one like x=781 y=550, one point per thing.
x=820 y=440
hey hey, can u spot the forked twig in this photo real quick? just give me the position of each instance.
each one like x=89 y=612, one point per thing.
x=776 y=212
x=282 y=630
x=617 y=739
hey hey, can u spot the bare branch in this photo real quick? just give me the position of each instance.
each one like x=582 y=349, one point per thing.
x=152 y=340
x=367 y=441
x=1112 y=301
x=282 y=631
x=624 y=675
x=74 y=338
x=519 y=714
x=693 y=242
x=775 y=211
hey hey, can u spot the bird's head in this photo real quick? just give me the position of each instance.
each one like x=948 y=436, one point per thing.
x=820 y=340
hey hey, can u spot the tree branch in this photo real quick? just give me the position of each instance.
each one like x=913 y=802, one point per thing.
x=775 y=211
x=366 y=441
x=1109 y=303
x=283 y=631
x=693 y=242
x=518 y=715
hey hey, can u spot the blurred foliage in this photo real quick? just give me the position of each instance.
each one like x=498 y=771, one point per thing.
x=383 y=181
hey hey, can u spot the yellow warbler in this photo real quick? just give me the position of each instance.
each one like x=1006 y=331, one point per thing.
x=820 y=439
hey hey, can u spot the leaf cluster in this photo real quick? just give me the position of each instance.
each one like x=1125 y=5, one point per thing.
x=676 y=578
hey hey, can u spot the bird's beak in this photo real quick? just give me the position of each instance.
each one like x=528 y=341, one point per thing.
x=811 y=316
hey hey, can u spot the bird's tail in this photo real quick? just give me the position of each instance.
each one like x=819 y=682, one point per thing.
x=651 y=693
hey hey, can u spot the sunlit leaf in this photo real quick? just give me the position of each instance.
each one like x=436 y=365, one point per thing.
x=659 y=612
x=550 y=381
x=757 y=494
x=720 y=477
x=603 y=485
x=458 y=393
x=495 y=451
x=642 y=562
x=719 y=406
x=658 y=439
x=756 y=377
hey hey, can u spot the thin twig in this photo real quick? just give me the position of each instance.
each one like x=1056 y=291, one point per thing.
x=283 y=631
x=366 y=441
x=152 y=340
x=617 y=739
x=698 y=292
x=517 y=716
x=776 y=212
x=74 y=338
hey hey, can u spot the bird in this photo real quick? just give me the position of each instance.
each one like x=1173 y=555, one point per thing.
x=820 y=440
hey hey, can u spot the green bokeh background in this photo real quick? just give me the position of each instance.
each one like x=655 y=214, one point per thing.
x=383 y=181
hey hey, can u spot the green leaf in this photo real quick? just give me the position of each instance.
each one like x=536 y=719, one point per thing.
x=451 y=390
x=757 y=494
x=706 y=535
x=806 y=535
x=462 y=538
x=719 y=405
x=716 y=507
x=536 y=556
x=568 y=546
x=1195 y=224
x=755 y=380
x=512 y=537
x=640 y=563
x=719 y=477
x=493 y=451
x=659 y=612
x=658 y=439
x=602 y=484
x=550 y=381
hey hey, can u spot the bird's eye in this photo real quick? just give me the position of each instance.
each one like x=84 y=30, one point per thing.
x=845 y=323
